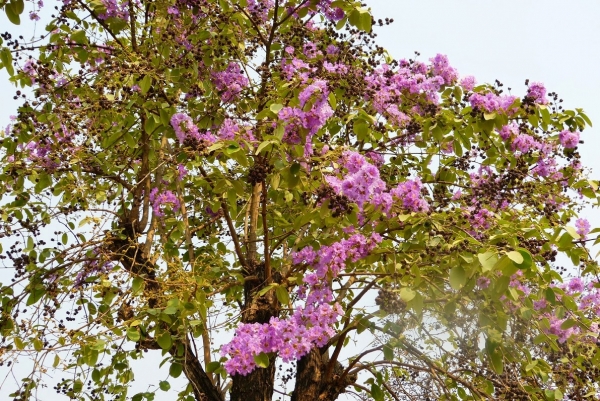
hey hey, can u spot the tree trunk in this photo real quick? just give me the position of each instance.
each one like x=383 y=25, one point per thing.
x=257 y=385
x=311 y=381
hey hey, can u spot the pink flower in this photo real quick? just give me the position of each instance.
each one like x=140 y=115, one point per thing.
x=582 y=227
x=569 y=139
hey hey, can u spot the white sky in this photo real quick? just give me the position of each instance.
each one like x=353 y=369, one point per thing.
x=550 y=41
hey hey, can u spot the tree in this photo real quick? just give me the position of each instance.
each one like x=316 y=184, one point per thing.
x=185 y=170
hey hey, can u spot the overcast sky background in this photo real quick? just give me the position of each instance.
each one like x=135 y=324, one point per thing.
x=550 y=41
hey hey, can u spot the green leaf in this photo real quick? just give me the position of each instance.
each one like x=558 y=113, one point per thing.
x=388 y=352
x=79 y=37
x=275 y=107
x=213 y=366
x=38 y=345
x=407 y=294
x=506 y=266
x=527 y=259
x=36 y=294
x=137 y=285
x=361 y=129
x=550 y=296
x=6 y=58
x=458 y=277
x=282 y=295
x=567 y=324
x=516 y=257
x=497 y=361
x=96 y=375
x=18 y=6
x=19 y=343
x=165 y=341
x=145 y=84
x=12 y=15
x=572 y=232
x=175 y=369
x=133 y=334
x=262 y=360
x=263 y=145
x=487 y=260
x=489 y=116
x=164 y=385
x=377 y=393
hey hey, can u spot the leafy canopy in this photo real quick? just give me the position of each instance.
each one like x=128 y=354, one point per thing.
x=180 y=171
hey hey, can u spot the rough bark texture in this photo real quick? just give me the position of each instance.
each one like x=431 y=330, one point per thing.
x=204 y=389
x=311 y=381
x=259 y=384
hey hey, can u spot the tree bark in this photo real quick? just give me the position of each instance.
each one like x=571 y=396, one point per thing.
x=257 y=385
x=312 y=382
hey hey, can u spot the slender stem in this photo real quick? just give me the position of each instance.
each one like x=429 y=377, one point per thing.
x=266 y=234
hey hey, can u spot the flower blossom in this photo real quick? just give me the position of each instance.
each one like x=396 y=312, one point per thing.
x=230 y=82
x=569 y=139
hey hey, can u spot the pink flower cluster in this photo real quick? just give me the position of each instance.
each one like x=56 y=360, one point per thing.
x=161 y=200
x=115 y=9
x=230 y=82
x=490 y=102
x=310 y=325
x=587 y=297
x=260 y=8
x=185 y=129
x=92 y=267
x=537 y=92
x=582 y=227
x=295 y=119
x=386 y=86
x=468 y=83
x=547 y=165
x=569 y=139
x=362 y=184
x=42 y=152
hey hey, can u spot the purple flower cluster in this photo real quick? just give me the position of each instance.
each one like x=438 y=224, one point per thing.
x=524 y=143
x=260 y=8
x=362 y=184
x=92 y=267
x=468 y=83
x=230 y=82
x=29 y=68
x=42 y=152
x=115 y=9
x=491 y=102
x=587 y=297
x=228 y=130
x=309 y=325
x=386 y=86
x=185 y=129
x=296 y=119
x=323 y=6
x=537 y=93
x=547 y=165
x=160 y=201
x=440 y=67
x=480 y=219
x=509 y=131
x=409 y=192
x=569 y=139
x=582 y=227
